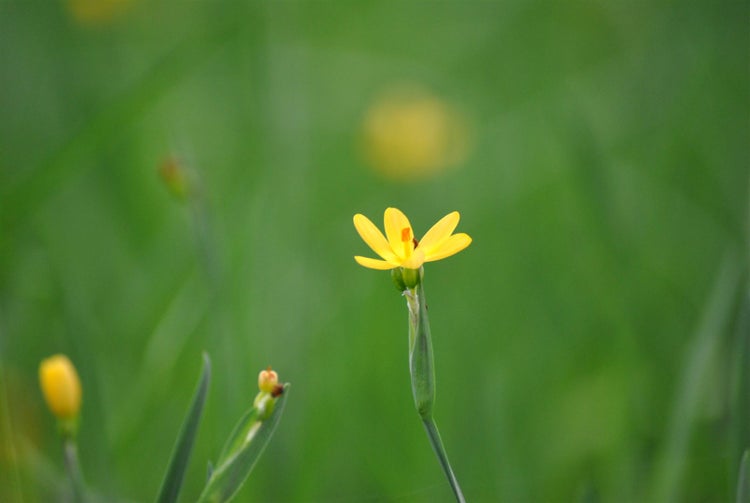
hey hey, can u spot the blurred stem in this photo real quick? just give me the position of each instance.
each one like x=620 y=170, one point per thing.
x=422 y=370
x=73 y=467
x=7 y=433
x=204 y=237
x=743 y=479
x=701 y=355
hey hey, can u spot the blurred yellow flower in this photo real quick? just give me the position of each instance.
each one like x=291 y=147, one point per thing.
x=409 y=134
x=97 y=12
x=61 y=387
x=401 y=249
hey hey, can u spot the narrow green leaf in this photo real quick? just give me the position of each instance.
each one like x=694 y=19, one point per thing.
x=743 y=481
x=170 y=487
x=702 y=354
x=241 y=452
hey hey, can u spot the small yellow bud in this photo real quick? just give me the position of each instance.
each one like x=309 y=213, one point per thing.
x=268 y=380
x=61 y=387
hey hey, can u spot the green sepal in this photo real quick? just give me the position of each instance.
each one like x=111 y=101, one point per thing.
x=242 y=450
x=170 y=487
x=68 y=427
x=406 y=279
x=411 y=277
x=398 y=279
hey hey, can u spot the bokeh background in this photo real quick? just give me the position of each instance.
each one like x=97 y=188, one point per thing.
x=180 y=176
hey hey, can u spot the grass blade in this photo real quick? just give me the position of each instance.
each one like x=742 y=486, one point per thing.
x=743 y=481
x=701 y=355
x=172 y=483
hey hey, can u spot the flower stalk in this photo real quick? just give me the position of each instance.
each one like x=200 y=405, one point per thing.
x=422 y=370
x=73 y=467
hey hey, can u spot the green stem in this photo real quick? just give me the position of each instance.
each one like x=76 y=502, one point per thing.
x=437 y=446
x=73 y=468
x=422 y=369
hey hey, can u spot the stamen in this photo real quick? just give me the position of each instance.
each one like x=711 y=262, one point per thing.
x=406 y=239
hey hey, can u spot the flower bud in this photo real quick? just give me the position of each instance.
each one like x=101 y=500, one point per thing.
x=175 y=177
x=268 y=380
x=61 y=387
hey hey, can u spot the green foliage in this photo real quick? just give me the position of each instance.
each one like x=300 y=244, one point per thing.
x=606 y=180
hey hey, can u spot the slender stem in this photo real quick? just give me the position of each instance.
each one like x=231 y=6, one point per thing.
x=422 y=370
x=74 y=470
x=437 y=446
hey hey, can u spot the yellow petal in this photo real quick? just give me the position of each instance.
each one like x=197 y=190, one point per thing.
x=373 y=237
x=395 y=222
x=372 y=263
x=415 y=261
x=450 y=246
x=439 y=233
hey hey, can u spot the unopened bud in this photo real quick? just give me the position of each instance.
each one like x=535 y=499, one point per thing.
x=61 y=387
x=175 y=178
x=268 y=380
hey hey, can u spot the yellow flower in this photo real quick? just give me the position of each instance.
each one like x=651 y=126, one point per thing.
x=60 y=386
x=401 y=249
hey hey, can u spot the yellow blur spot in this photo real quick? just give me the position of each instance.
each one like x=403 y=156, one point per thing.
x=410 y=134
x=97 y=12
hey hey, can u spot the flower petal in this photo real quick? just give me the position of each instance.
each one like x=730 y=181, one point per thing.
x=450 y=246
x=395 y=222
x=439 y=233
x=372 y=263
x=373 y=237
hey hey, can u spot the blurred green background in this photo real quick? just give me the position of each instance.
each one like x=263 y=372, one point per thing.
x=591 y=344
